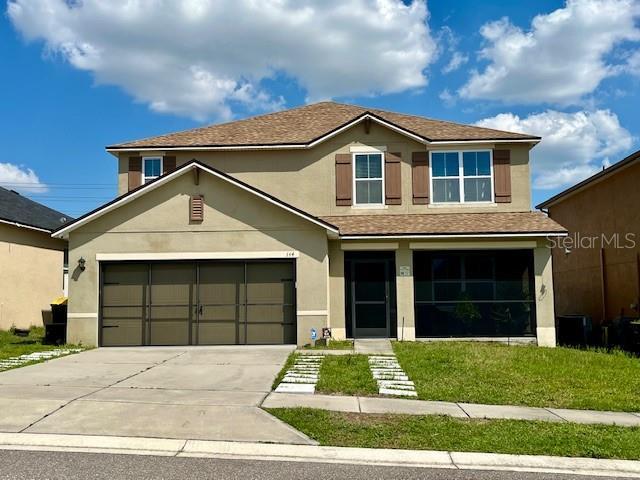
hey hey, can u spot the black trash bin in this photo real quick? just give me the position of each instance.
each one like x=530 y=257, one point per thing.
x=56 y=331
x=574 y=330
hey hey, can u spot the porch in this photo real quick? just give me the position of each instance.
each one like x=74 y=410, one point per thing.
x=499 y=289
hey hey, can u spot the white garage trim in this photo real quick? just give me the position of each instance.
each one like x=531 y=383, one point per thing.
x=82 y=315
x=109 y=257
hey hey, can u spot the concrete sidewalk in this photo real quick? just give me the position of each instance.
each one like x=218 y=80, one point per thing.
x=340 y=403
x=318 y=454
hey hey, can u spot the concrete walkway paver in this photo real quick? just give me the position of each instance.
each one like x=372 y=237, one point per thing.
x=302 y=376
x=390 y=377
x=460 y=410
x=373 y=346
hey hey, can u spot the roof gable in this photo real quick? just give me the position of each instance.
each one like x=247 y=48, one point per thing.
x=15 y=208
x=305 y=126
x=194 y=164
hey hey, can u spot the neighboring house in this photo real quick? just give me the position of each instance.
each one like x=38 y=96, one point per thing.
x=372 y=223
x=31 y=262
x=597 y=268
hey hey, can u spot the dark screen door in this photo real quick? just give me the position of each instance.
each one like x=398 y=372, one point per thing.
x=370 y=298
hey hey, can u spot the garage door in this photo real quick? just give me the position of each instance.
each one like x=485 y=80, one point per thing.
x=203 y=303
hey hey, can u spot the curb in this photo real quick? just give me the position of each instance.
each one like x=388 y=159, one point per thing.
x=317 y=454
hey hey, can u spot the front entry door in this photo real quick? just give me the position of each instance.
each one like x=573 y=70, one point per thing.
x=371 y=297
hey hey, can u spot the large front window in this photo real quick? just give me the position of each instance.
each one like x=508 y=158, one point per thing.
x=368 y=178
x=461 y=177
x=462 y=294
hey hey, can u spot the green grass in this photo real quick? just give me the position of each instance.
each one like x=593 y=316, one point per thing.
x=451 y=434
x=522 y=375
x=333 y=345
x=291 y=359
x=347 y=375
x=13 y=346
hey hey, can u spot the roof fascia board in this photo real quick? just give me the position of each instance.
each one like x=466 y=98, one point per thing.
x=457 y=142
x=453 y=236
x=24 y=225
x=188 y=166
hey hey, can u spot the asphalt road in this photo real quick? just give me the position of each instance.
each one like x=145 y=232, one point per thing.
x=58 y=465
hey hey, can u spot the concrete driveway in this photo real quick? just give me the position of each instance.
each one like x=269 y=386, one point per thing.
x=205 y=393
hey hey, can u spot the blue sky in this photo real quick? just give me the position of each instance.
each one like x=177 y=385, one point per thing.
x=76 y=78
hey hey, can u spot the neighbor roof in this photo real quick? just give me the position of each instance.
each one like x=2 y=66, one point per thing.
x=311 y=123
x=15 y=208
x=615 y=168
x=446 y=224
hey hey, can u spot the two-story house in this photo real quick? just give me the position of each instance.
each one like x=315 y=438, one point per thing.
x=372 y=223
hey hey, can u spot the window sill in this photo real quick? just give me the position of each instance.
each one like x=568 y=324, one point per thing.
x=463 y=205
x=369 y=207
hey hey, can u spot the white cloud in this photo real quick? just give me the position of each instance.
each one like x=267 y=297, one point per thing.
x=562 y=57
x=633 y=63
x=200 y=57
x=20 y=179
x=574 y=145
x=457 y=60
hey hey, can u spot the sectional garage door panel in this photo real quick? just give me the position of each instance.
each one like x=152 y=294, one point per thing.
x=124 y=299
x=198 y=303
x=270 y=313
x=221 y=293
x=171 y=303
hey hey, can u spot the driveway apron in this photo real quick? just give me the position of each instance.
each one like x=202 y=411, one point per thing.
x=202 y=393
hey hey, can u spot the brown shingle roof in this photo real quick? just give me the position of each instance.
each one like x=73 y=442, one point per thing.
x=303 y=125
x=445 y=224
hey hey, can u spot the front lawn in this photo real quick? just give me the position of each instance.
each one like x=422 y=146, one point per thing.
x=522 y=375
x=452 y=434
x=332 y=345
x=13 y=346
x=346 y=375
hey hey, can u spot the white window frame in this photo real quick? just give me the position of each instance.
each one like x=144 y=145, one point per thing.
x=353 y=174
x=144 y=173
x=461 y=176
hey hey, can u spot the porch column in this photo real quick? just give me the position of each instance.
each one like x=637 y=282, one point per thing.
x=545 y=314
x=404 y=292
x=336 y=292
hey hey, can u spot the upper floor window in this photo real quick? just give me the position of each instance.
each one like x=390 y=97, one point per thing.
x=461 y=177
x=151 y=168
x=368 y=178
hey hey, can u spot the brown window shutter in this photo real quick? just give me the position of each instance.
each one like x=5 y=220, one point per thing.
x=135 y=172
x=392 y=179
x=502 y=175
x=168 y=164
x=344 y=179
x=420 y=177
x=196 y=208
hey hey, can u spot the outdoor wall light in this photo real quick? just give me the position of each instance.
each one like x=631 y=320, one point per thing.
x=81 y=263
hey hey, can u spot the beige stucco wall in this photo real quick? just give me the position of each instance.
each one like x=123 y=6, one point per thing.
x=234 y=221
x=306 y=177
x=31 y=263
